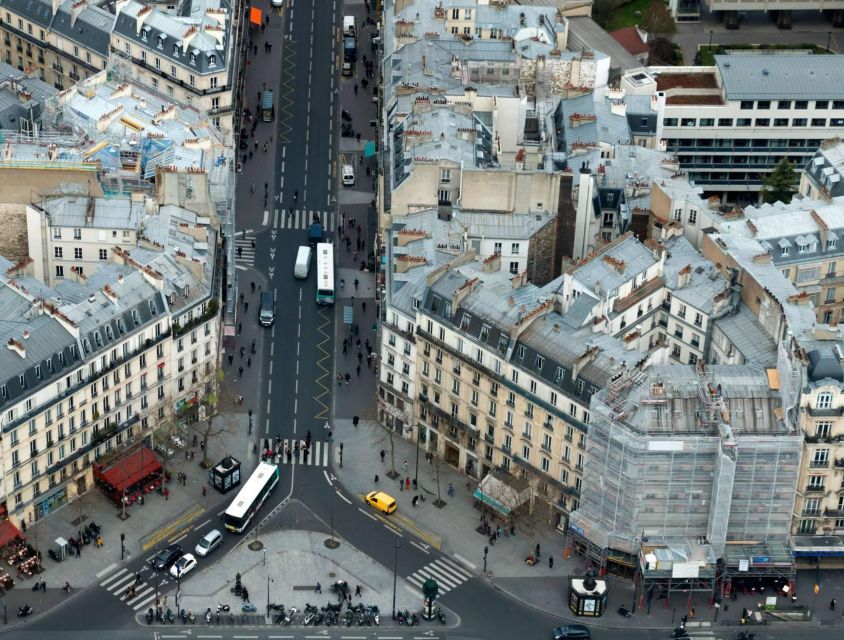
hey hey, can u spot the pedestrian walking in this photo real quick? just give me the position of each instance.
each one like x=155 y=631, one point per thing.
x=360 y=357
x=451 y=488
x=357 y=282
x=363 y=306
x=356 y=88
x=383 y=453
x=204 y=490
x=358 y=370
x=536 y=550
x=415 y=500
x=138 y=579
x=318 y=588
x=357 y=591
x=242 y=351
x=404 y=466
x=339 y=377
x=401 y=484
x=832 y=605
x=231 y=359
x=248 y=362
x=347 y=378
x=355 y=421
x=407 y=483
x=240 y=371
x=78 y=551
x=550 y=562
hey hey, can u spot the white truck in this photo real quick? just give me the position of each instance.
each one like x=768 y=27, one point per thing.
x=349 y=29
x=303 y=263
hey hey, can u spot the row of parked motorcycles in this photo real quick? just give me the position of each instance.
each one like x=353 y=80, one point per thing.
x=360 y=615
x=680 y=633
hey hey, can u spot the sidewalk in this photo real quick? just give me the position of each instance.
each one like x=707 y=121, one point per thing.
x=286 y=569
x=452 y=529
x=147 y=525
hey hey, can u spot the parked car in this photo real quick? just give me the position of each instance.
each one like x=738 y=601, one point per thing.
x=348 y=175
x=209 y=542
x=165 y=558
x=571 y=632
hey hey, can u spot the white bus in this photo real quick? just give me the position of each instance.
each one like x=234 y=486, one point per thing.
x=250 y=498
x=325 y=273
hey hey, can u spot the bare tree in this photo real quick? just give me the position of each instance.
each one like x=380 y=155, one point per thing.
x=658 y=20
x=214 y=400
x=388 y=437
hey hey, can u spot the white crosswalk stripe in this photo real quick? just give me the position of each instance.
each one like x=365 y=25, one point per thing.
x=303 y=218
x=448 y=574
x=316 y=457
x=118 y=584
x=244 y=252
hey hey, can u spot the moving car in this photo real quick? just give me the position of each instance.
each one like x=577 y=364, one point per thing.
x=209 y=542
x=348 y=175
x=266 y=312
x=183 y=566
x=381 y=501
x=571 y=631
x=348 y=69
x=165 y=558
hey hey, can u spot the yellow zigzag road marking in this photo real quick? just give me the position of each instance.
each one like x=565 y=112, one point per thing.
x=285 y=101
x=324 y=314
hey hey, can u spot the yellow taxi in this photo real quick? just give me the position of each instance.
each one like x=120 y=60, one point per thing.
x=381 y=501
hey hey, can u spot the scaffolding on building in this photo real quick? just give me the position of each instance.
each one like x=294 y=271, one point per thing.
x=684 y=453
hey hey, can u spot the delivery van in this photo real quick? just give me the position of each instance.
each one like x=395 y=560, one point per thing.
x=349 y=26
x=303 y=263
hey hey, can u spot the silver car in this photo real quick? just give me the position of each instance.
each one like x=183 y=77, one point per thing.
x=209 y=542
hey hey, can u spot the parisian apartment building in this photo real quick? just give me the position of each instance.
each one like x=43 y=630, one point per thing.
x=117 y=333
x=183 y=56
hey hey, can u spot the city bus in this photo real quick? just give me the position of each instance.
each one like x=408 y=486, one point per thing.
x=250 y=498
x=325 y=273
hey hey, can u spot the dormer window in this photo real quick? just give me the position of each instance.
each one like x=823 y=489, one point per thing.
x=38 y=371
x=144 y=34
x=109 y=333
x=192 y=58
x=831 y=243
x=161 y=42
x=98 y=339
x=152 y=308
x=176 y=50
x=136 y=317
x=121 y=326
x=212 y=60
x=22 y=381
x=86 y=345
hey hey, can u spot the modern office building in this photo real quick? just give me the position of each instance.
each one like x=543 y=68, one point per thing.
x=730 y=124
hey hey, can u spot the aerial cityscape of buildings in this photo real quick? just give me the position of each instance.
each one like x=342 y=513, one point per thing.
x=587 y=281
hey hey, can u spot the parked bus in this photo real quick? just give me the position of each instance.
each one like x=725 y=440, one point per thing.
x=325 y=273
x=250 y=498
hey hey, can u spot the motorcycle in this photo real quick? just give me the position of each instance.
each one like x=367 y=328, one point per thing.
x=150 y=615
x=207 y=615
x=223 y=607
x=414 y=620
x=440 y=615
x=400 y=617
x=679 y=633
x=346 y=115
x=624 y=611
x=191 y=617
x=24 y=611
x=169 y=616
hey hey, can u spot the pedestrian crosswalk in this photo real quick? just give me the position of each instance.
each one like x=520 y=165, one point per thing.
x=304 y=218
x=448 y=574
x=244 y=248
x=316 y=456
x=118 y=584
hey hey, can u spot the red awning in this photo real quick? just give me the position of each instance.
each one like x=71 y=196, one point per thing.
x=255 y=16
x=8 y=532
x=130 y=470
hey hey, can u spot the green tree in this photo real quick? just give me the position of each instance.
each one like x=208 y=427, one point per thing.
x=657 y=19
x=780 y=185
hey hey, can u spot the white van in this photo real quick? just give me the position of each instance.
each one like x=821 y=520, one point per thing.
x=348 y=175
x=303 y=263
x=349 y=26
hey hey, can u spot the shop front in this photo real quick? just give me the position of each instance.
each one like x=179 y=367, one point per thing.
x=127 y=477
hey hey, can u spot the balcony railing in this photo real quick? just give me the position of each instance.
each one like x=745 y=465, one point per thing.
x=814 y=489
x=819 y=464
x=825 y=413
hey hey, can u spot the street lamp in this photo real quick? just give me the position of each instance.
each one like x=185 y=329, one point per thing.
x=418 y=442
x=710 y=40
x=395 y=570
x=268 y=593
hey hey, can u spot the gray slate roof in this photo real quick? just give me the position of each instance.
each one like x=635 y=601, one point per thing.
x=91 y=28
x=772 y=77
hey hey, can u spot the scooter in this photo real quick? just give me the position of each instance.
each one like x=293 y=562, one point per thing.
x=400 y=617
x=150 y=615
x=191 y=617
x=169 y=616
x=346 y=115
x=623 y=611
x=440 y=615
x=414 y=620
x=222 y=607
x=24 y=611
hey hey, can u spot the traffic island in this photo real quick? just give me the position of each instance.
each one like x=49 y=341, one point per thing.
x=295 y=568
